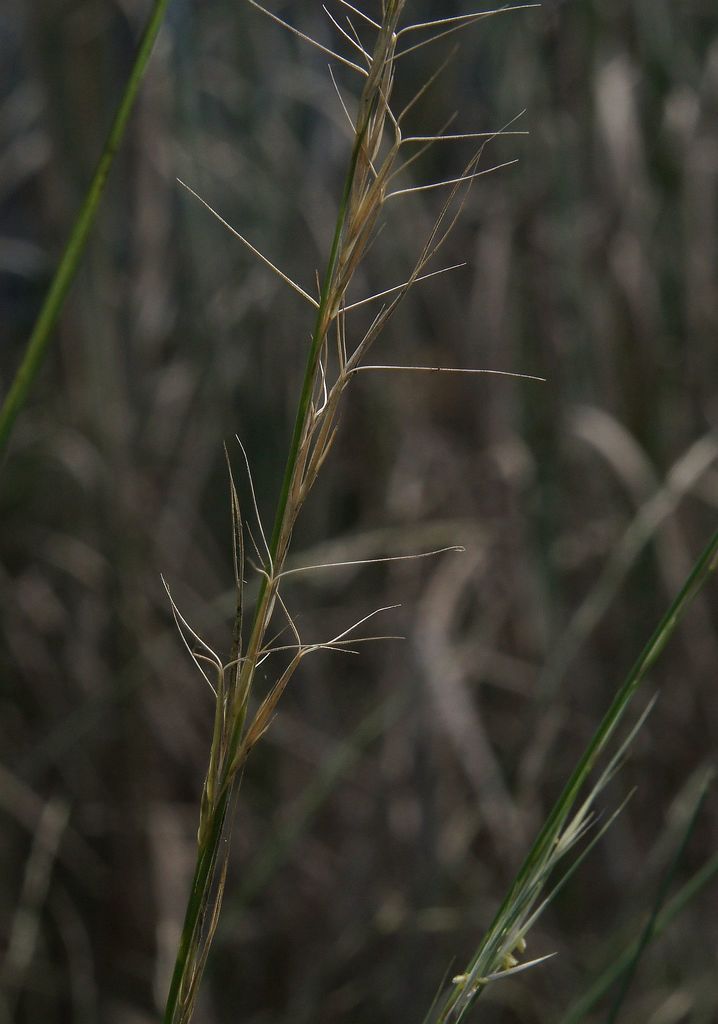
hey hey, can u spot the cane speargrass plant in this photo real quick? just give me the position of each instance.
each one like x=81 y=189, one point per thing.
x=378 y=156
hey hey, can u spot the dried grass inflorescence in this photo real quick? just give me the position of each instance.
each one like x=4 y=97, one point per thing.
x=376 y=159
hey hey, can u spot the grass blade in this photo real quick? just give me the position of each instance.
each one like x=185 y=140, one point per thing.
x=509 y=923
x=39 y=340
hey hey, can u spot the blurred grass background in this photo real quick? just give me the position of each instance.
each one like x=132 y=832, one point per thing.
x=385 y=812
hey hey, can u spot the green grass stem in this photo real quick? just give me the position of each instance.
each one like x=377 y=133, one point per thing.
x=526 y=890
x=204 y=871
x=39 y=340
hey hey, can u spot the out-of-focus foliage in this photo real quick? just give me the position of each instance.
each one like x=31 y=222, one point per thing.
x=384 y=812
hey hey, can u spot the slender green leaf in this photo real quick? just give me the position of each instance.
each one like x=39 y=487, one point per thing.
x=556 y=836
x=64 y=275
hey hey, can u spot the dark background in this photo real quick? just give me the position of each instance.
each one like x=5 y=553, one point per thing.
x=382 y=817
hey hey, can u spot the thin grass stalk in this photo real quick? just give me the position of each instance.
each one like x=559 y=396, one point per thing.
x=39 y=339
x=326 y=312
x=207 y=855
x=357 y=211
x=366 y=188
x=529 y=881
x=282 y=524
x=705 y=565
